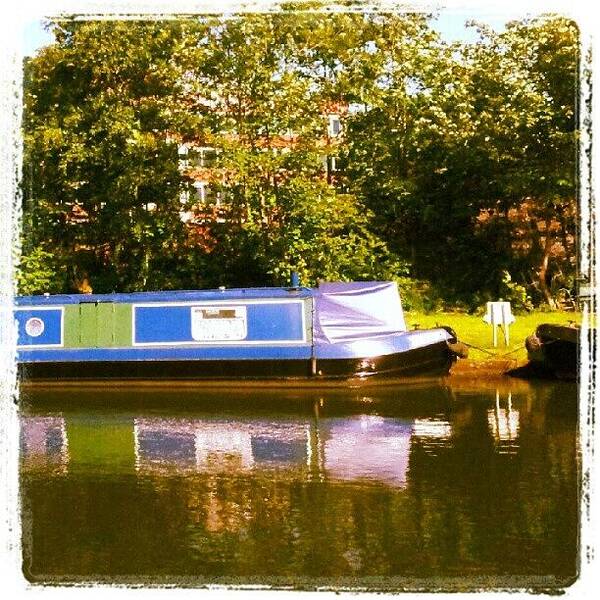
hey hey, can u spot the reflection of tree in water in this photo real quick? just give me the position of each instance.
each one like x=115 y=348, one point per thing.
x=493 y=494
x=550 y=447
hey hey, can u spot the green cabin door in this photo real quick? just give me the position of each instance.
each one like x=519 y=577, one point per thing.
x=98 y=325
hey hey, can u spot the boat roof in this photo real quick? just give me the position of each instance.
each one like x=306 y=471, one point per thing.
x=167 y=296
x=348 y=290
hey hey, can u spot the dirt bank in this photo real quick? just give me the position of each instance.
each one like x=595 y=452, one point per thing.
x=477 y=369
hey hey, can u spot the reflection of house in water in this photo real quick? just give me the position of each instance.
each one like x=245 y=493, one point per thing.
x=503 y=421
x=43 y=442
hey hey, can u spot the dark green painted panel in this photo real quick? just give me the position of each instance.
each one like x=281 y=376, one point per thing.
x=105 y=324
x=71 y=326
x=88 y=324
x=122 y=337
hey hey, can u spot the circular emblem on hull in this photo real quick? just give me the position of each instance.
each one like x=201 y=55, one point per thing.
x=34 y=327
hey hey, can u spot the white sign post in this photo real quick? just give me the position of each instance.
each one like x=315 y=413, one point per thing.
x=499 y=314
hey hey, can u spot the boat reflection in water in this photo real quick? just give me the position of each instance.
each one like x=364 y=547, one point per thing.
x=362 y=447
x=205 y=445
x=323 y=488
x=44 y=443
x=349 y=447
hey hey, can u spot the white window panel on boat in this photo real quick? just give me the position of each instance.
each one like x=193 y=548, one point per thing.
x=214 y=323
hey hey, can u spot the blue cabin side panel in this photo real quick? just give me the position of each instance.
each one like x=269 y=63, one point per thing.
x=219 y=323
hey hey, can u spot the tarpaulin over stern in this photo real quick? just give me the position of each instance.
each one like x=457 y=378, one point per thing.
x=345 y=312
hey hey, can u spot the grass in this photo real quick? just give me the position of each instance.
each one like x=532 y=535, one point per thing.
x=473 y=330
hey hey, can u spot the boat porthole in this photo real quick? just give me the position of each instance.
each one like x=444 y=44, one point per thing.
x=34 y=327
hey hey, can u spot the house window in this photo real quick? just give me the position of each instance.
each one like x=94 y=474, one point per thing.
x=325 y=163
x=335 y=126
x=206 y=194
x=182 y=152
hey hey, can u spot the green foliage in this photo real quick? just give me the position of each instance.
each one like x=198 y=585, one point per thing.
x=324 y=235
x=316 y=232
x=419 y=295
x=39 y=273
x=482 y=129
x=515 y=293
x=98 y=105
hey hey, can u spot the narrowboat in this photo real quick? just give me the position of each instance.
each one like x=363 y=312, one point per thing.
x=337 y=331
x=552 y=350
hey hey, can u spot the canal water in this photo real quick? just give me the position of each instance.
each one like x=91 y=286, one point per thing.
x=419 y=487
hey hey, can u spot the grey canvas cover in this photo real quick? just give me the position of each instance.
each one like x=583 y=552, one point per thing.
x=345 y=312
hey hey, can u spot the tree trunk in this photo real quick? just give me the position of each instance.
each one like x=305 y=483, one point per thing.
x=543 y=272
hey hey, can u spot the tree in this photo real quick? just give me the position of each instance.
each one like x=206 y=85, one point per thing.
x=480 y=129
x=101 y=176
x=263 y=84
x=534 y=140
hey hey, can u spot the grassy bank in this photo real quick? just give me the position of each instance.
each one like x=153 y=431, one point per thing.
x=473 y=330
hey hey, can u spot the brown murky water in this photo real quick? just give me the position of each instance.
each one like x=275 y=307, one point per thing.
x=401 y=487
